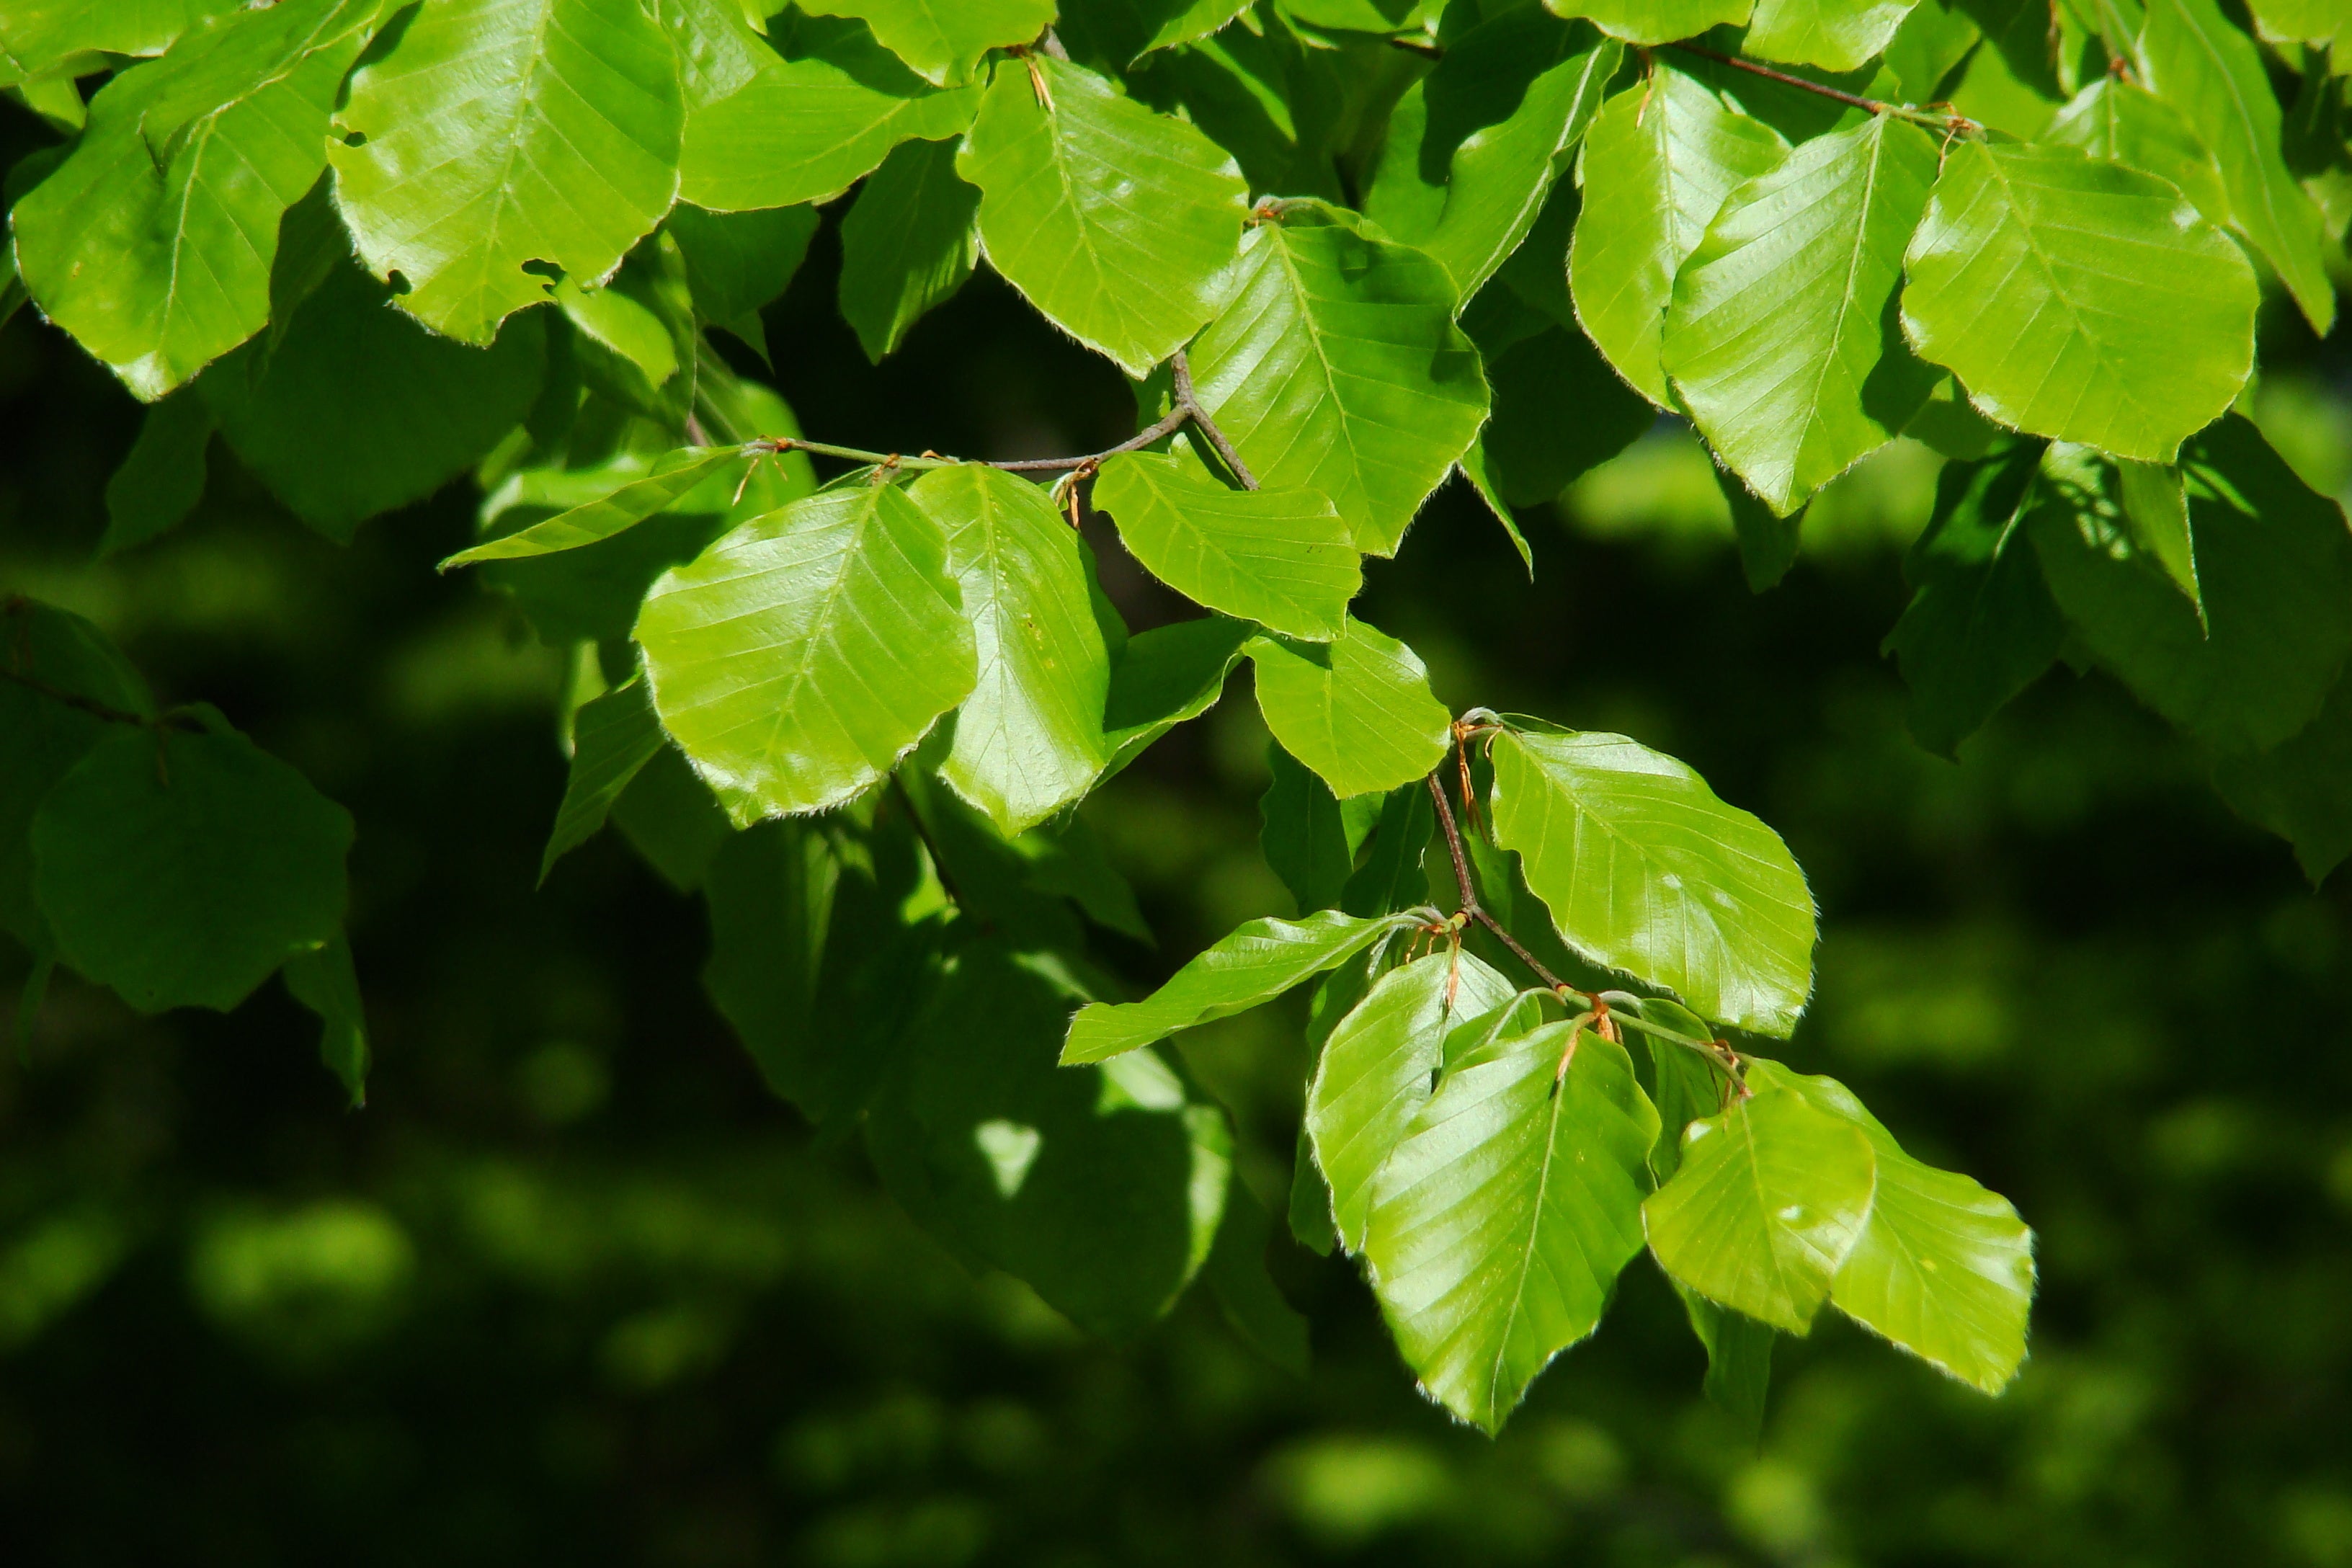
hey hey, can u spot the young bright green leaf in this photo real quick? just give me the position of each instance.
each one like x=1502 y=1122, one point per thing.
x=670 y=480
x=1943 y=1267
x=806 y=127
x=1309 y=836
x=798 y=658
x=1655 y=21
x=1357 y=709
x=39 y=36
x=1337 y=365
x=2275 y=568
x=1500 y=1223
x=1779 y=339
x=1981 y=626
x=1645 y=870
x=613 y=737
x=181 y=870
x=499 y=137
x=943 y=40
x=1935 y=36
x=737 y=262
x=324 y=981
x=2155 y=515
x=2079 y=299
x=1165 y=677
x=358 y=409
x=164 y=477
x=151 y=242
x=907 y=244
x=1768 y=1201
x=1658 y=162
x=1374 y=1073
x=1250 y=966
x=2318 y=23
x=1029 y=739
x=2213 y=74
x=2123 y=123
x=1282 y=557
x=1118 y=223
x=2296 y=788
x=1834 y=35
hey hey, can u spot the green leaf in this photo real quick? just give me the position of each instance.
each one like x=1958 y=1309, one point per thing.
x=907 y=244
x=163 y=478
x=1559 y=413
x=1029 y=739
x=1981 y=626
x=2318 y=23
x=324 y=981
x=39 y=36
x=798 y=658
x=1311 y=1200
x=672 y=477
x=151 y=242
x=359 y=410
x=1477 y=470
x=2297 y=789
x=807 y=127
x=2275 y=565
x=2126 y=123
x=613 y=737
x=1739 y=1359
x=1068 y=859
x=1309 y=836
x=738 y=262
x=771 y=891
x=1118 y=223
x=182 y=869
x=1658 y=162
x=2155 y=515
x=943 y=40
x=497 y=138
x=1337 y=365
x=671 y=819
x=1391 y=877
x=1782 y=339
x=1655 y=21
x=1252 y=1304
x=1834 y=35
x=592 y=594
x=1683 y=1086
x=2212 y=73
x=1645 y=871
x=2079 y=299
x=1768 y=541
x=1770 y=1200
x=1357 y=709
x=1250 y=966
x=1498 y=1227
x=1934 y=38
x=1282 y=557
x=1102 y=1187
x=1943 y=1268
x=1165 y=677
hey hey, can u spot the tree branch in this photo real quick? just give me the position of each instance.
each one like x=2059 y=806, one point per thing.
x=74 y=700
x=1478 y=911
x=1181 y=369
x=1787 y=78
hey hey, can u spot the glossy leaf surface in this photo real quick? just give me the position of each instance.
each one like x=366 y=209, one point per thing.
x=1282 y=557
x=613 y=737
x=1357 y=709
x=941 y=40
x=1655 y=21
x=671 y=478
x=1834 y=35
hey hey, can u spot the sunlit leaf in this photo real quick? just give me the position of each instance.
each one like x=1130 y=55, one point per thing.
x=1835 y=34
x=613 y=737
x=943 y=40
x=1655 y=21
x=1357 y=709
x=2126 y=123
x=670 y=480
x=1282 y=557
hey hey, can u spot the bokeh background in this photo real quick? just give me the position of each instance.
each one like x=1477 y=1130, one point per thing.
x=574 y=1288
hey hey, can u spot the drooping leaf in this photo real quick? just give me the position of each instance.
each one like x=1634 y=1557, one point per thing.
x=1981 y=626
x=358 y=409
x=2213 y=74
x=1834 y=35
x=151 y=242
x=1029 y=739
x=1391 y=877
x=1644 y=870
x=1498 y=1227
x=1165 y=677
x=671 y=478
x=808 y=126
x=1767 y=1205
x=738 y=262
x=771 y=891
x=943 y=40
x=1739 y=1359
x=907 y=244
x=1943 y=1267
x=324 y=981
x=1246 y=1294
x=181 y=870
x=593 y=593
x=1251 y=966
x=2296 y=788
x=1658 y=162
x=1357 y=709
x=1118 y=223
x=670 y=817
x=1768 y=541
x=1559 y=413
x=1281 y=557
x=1780 y=338
x=1656 y=21
x=1337 y=365
x=2275 y=567
x=163 y=478
x=1684 y=1086
x=1308 y=834
x=1374 y=1073
x=2079 y=299
x=2123 y=123
x=2155 y=515
x=613 y=737
x=800 y=657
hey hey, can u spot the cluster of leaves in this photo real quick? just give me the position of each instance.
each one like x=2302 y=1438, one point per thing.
x=1345 y=249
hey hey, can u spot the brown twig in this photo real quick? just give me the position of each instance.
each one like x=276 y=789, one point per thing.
x=1180 y=371
x=1468 y=888
x=95 y=709
x=1786 y=79
x=930 y=845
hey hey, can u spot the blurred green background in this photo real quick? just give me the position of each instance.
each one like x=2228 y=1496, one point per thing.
x=574 y=1288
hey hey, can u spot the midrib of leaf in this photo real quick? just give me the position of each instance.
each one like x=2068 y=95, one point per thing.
x=1880 y=125
x=1058 y=159
x=2237 y=103
x=1528 y=1252
x=819 y=638
x=1305 y=299
x=1763 y=1202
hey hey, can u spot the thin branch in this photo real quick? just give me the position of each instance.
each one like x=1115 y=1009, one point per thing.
x=931 y=844
x=1476 y=912
x=1173 y=421
x=1181 y=369
x=73 y=699
x=1875 y=106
